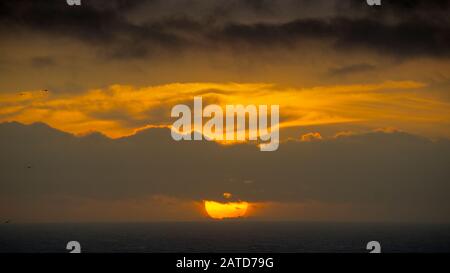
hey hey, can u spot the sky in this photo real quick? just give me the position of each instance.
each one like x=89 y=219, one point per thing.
x=86 y=94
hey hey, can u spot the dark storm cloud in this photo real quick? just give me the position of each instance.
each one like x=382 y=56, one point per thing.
x=404 y=39
x=391 y=172
x=132 y=29
x=102 y=23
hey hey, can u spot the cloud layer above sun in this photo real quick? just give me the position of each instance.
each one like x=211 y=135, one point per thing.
x=122 y=110
x=294 y=43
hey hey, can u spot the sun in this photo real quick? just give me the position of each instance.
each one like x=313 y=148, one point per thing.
x=217 y=210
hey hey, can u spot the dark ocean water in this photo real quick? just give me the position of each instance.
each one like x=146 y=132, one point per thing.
x=225 y=237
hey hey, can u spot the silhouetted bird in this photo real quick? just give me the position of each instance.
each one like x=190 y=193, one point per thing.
x=7 y=221
x=28 y=167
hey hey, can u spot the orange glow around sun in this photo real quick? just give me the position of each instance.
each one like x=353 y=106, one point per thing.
x=217 y=210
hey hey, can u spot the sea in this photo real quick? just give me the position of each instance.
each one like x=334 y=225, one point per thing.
x=225 y=237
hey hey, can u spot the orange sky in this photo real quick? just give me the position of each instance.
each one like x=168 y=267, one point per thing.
x=121 y=110
x=335 y=68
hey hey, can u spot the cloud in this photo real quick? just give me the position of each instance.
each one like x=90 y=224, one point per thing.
x=378 y=176
x=310 y=137
x=119 y=31
x=120 y=110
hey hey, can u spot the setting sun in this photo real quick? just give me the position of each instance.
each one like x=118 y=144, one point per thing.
x=217 y=210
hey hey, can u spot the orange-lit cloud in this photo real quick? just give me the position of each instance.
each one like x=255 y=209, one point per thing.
x=310 y=137
x=227 y=195
x=121 y=110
